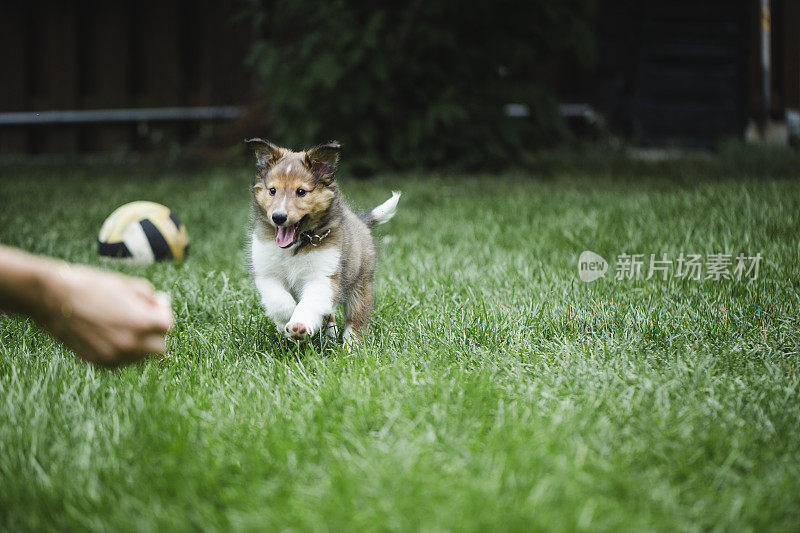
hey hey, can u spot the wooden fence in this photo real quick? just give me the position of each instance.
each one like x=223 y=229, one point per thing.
x=92 y=54
x=127 y=54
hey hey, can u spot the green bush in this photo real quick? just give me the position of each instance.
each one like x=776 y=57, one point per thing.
x=409 y=84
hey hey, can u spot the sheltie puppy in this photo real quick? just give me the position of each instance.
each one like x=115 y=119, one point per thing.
x=310 y=252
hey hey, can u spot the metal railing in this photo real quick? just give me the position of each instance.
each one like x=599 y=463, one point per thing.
x=97 y=116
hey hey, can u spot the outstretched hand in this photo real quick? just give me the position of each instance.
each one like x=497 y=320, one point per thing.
x=107 y=318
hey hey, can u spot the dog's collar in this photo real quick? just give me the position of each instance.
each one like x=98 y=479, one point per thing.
x=314 y=239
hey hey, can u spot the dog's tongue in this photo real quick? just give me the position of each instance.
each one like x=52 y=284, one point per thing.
x=285 y=236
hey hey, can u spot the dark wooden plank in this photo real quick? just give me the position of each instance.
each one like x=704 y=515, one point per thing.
x=791 y=59
x=230 y=79
x=55 y=71
x=689 y=75
x=156 y=69
x=753 y=87
x=157 y=42
x=14 y=88
x=105 y=69
x=216 y=73
x=196 y=47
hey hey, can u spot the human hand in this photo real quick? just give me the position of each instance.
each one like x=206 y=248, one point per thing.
x=106 y=318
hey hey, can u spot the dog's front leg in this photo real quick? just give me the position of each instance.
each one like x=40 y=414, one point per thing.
x=316 y=302
x=277 y=301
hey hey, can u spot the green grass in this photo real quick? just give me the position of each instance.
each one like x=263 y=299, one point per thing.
x=497 y=391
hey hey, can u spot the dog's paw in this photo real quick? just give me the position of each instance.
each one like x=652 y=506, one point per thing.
x=331 y=331
x=297 y=331
x=352 y=339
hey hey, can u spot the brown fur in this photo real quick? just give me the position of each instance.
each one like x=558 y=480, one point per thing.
x=321 y=210
x=286 y=177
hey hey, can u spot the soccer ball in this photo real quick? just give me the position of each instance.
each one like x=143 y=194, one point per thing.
x=143 y=232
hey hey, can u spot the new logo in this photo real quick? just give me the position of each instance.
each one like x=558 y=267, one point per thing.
x=591 y=266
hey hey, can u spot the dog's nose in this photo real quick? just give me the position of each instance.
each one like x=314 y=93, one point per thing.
x=279 y=218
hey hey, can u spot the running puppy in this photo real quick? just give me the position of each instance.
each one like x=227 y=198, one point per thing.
x=309 y=251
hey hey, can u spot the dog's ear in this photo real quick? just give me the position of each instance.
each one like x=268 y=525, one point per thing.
x=267 y=154
x=322 y=161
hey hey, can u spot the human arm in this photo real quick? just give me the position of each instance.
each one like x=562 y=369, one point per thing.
x=105 y=317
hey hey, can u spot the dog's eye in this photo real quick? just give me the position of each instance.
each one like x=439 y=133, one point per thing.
x=301 y=192
x=272 y=191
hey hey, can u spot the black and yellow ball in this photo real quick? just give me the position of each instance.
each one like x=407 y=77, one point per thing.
x=143 y=232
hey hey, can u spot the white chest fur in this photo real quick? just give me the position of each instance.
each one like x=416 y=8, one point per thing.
x=293 y=271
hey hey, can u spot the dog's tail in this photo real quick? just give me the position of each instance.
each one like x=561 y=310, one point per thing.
x=382 y=213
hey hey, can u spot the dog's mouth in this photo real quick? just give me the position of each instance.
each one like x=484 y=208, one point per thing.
x=286 y=236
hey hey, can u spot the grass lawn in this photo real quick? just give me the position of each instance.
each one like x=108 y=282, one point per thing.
x=497 y=390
